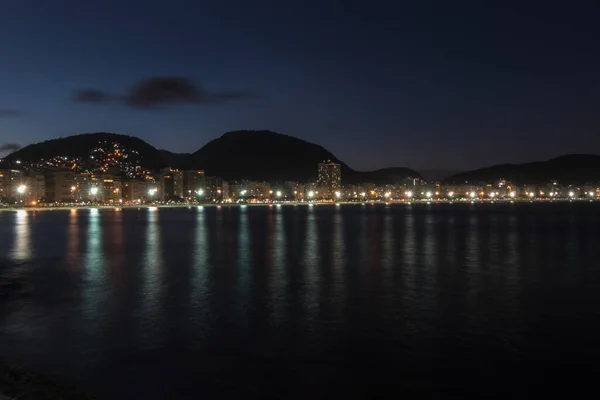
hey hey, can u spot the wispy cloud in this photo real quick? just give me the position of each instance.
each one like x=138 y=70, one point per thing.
x=9 y=147
x=10 y=112
x=159 y=91
x=92 y=96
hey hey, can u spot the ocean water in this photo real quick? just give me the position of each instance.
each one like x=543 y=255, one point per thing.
x=299 y=302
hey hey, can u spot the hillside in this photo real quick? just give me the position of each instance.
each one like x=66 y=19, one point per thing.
x=252 y=155
x=173 y=160
x=574 y=168
x=270 y=156
x=84 y=146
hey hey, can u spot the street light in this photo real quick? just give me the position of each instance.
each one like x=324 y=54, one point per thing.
x=278 y=193
x=512 y=194
x=94 y=191
x=21 y=190
x=429 y=194
x=473 y=195
x=311 y=194
x=338 y=194
x=409 y=194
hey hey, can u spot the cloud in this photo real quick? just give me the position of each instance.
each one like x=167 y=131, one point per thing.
x=10 y=112
x=159 y=91
x=9 y=147
x=92 y=96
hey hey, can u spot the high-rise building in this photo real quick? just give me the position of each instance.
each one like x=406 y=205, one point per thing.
x=330 y=176
x=83 y=184
x=167 y=187
x=10 y=180
x=59 y=186
x=178 y=183
x=137 y=190
x=38 y=187
x=111 y=189
x=3 y=179
x=171 y=183
x=193 y=181
x=214 y=188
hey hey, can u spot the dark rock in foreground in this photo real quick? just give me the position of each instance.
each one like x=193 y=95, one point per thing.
x=20 y=383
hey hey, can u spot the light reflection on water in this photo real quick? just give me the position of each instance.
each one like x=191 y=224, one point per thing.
x=22 y=250
x=201 y=285
x=95 y=286
x=114 y=297
x=151 y=328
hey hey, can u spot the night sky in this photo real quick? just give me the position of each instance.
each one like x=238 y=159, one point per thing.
x=442 y=85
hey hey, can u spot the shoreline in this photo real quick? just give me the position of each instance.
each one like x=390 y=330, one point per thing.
x=294 y=203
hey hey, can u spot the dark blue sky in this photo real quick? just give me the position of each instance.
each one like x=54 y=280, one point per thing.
x=426 y=84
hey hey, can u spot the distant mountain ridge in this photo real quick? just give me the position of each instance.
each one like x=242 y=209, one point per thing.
x=571 y=168
x=270 y=156
x=252 y=155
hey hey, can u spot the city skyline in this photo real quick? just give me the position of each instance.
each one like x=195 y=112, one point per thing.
x=430 y=86
x=131 y=157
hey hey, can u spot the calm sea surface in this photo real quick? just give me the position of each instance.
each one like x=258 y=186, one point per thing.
x=306 y=302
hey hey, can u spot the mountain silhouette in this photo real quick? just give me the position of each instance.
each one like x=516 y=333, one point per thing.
x=82 y=145
x=568 y=169
x=270 y=156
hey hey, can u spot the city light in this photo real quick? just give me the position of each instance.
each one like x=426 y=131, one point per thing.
x=311 y=194
x=363 y=194
x=278 y=193
x=21 y=189
x=571 y=194
x=473 y=195
x=94 y=191
x=429 y=194
x=243 y=192
x=388 y=194
x=73 y=188
x=531 y=194
x=152 y=192
x=338 y=194
x=512 y=194
x=493 y=194
x=200 y=192
x=451 y=194
x=409 y=194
